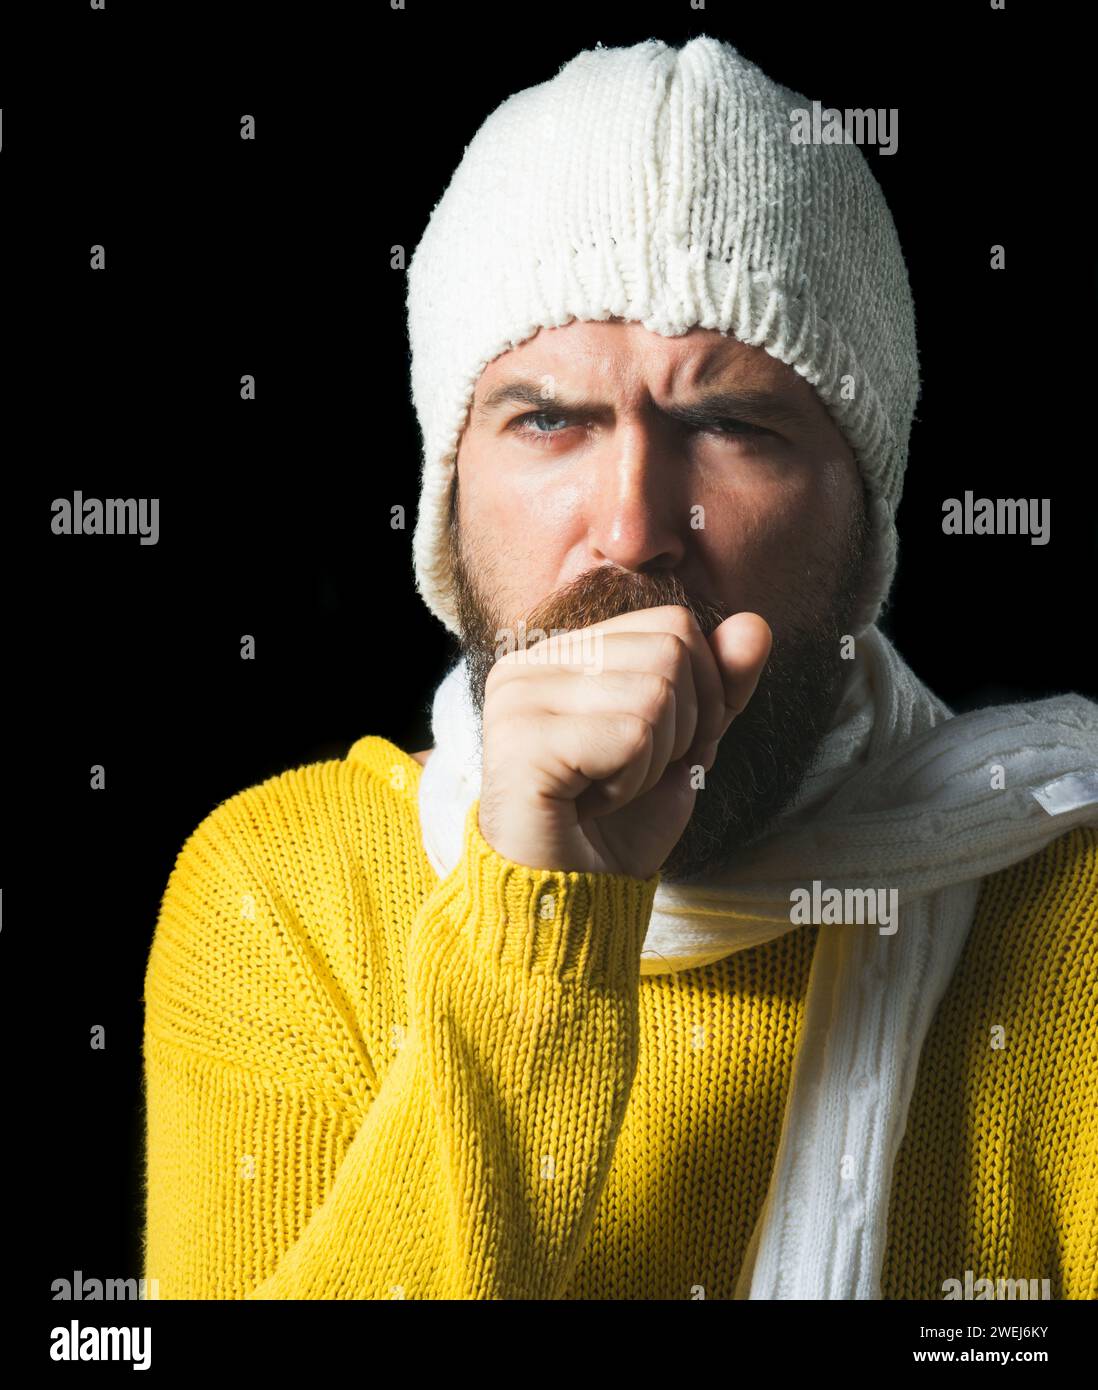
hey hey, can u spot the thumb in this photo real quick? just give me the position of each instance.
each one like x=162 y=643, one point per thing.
x=741 y=647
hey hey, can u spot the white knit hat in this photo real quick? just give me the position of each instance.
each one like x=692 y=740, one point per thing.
x=661 y=185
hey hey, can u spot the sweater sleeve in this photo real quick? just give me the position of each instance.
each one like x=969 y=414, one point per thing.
x=470 y=1170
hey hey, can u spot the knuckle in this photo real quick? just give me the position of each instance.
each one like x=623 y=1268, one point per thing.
x=680 y=620
x=656 y=696
x=669 y=650
x=634 y=734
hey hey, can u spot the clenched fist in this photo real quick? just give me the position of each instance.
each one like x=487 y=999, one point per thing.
x=587 y=762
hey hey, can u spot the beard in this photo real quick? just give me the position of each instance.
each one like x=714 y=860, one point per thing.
x=769 y=749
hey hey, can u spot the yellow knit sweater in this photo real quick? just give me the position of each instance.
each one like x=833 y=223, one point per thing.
x=363 y=1083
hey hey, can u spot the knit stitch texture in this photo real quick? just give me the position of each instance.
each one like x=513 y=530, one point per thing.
x=364 y=1082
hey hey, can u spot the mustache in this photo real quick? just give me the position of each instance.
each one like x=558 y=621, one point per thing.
x=607 y=591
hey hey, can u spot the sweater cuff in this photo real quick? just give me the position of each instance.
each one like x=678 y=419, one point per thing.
x=586 y=927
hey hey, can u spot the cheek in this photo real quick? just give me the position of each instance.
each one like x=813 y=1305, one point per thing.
x=520 y=531
x=813 y=498
x=752 y=520
x=773 y=537
x=503 y=503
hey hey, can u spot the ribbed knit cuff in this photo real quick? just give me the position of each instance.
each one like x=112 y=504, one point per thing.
x=587 y=927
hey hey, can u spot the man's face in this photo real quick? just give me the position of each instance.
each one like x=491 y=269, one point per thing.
x=604 y=468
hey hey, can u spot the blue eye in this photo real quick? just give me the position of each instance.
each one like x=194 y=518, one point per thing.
x=524 y=424
x=541 y=415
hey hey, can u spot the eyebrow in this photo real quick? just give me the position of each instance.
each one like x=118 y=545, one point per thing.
x=753 y=406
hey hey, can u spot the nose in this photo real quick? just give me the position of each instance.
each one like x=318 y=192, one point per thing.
x=637 y=510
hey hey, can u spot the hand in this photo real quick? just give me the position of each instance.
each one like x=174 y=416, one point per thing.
x=587 y=763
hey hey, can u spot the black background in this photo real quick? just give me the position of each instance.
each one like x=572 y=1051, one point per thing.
x=271 y=257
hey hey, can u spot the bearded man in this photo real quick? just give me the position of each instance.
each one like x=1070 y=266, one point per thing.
x=530 y=1014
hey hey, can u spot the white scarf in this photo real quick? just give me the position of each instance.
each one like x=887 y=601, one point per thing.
x=905 y=796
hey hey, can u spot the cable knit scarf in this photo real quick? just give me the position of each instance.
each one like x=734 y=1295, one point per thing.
x=906 y=796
